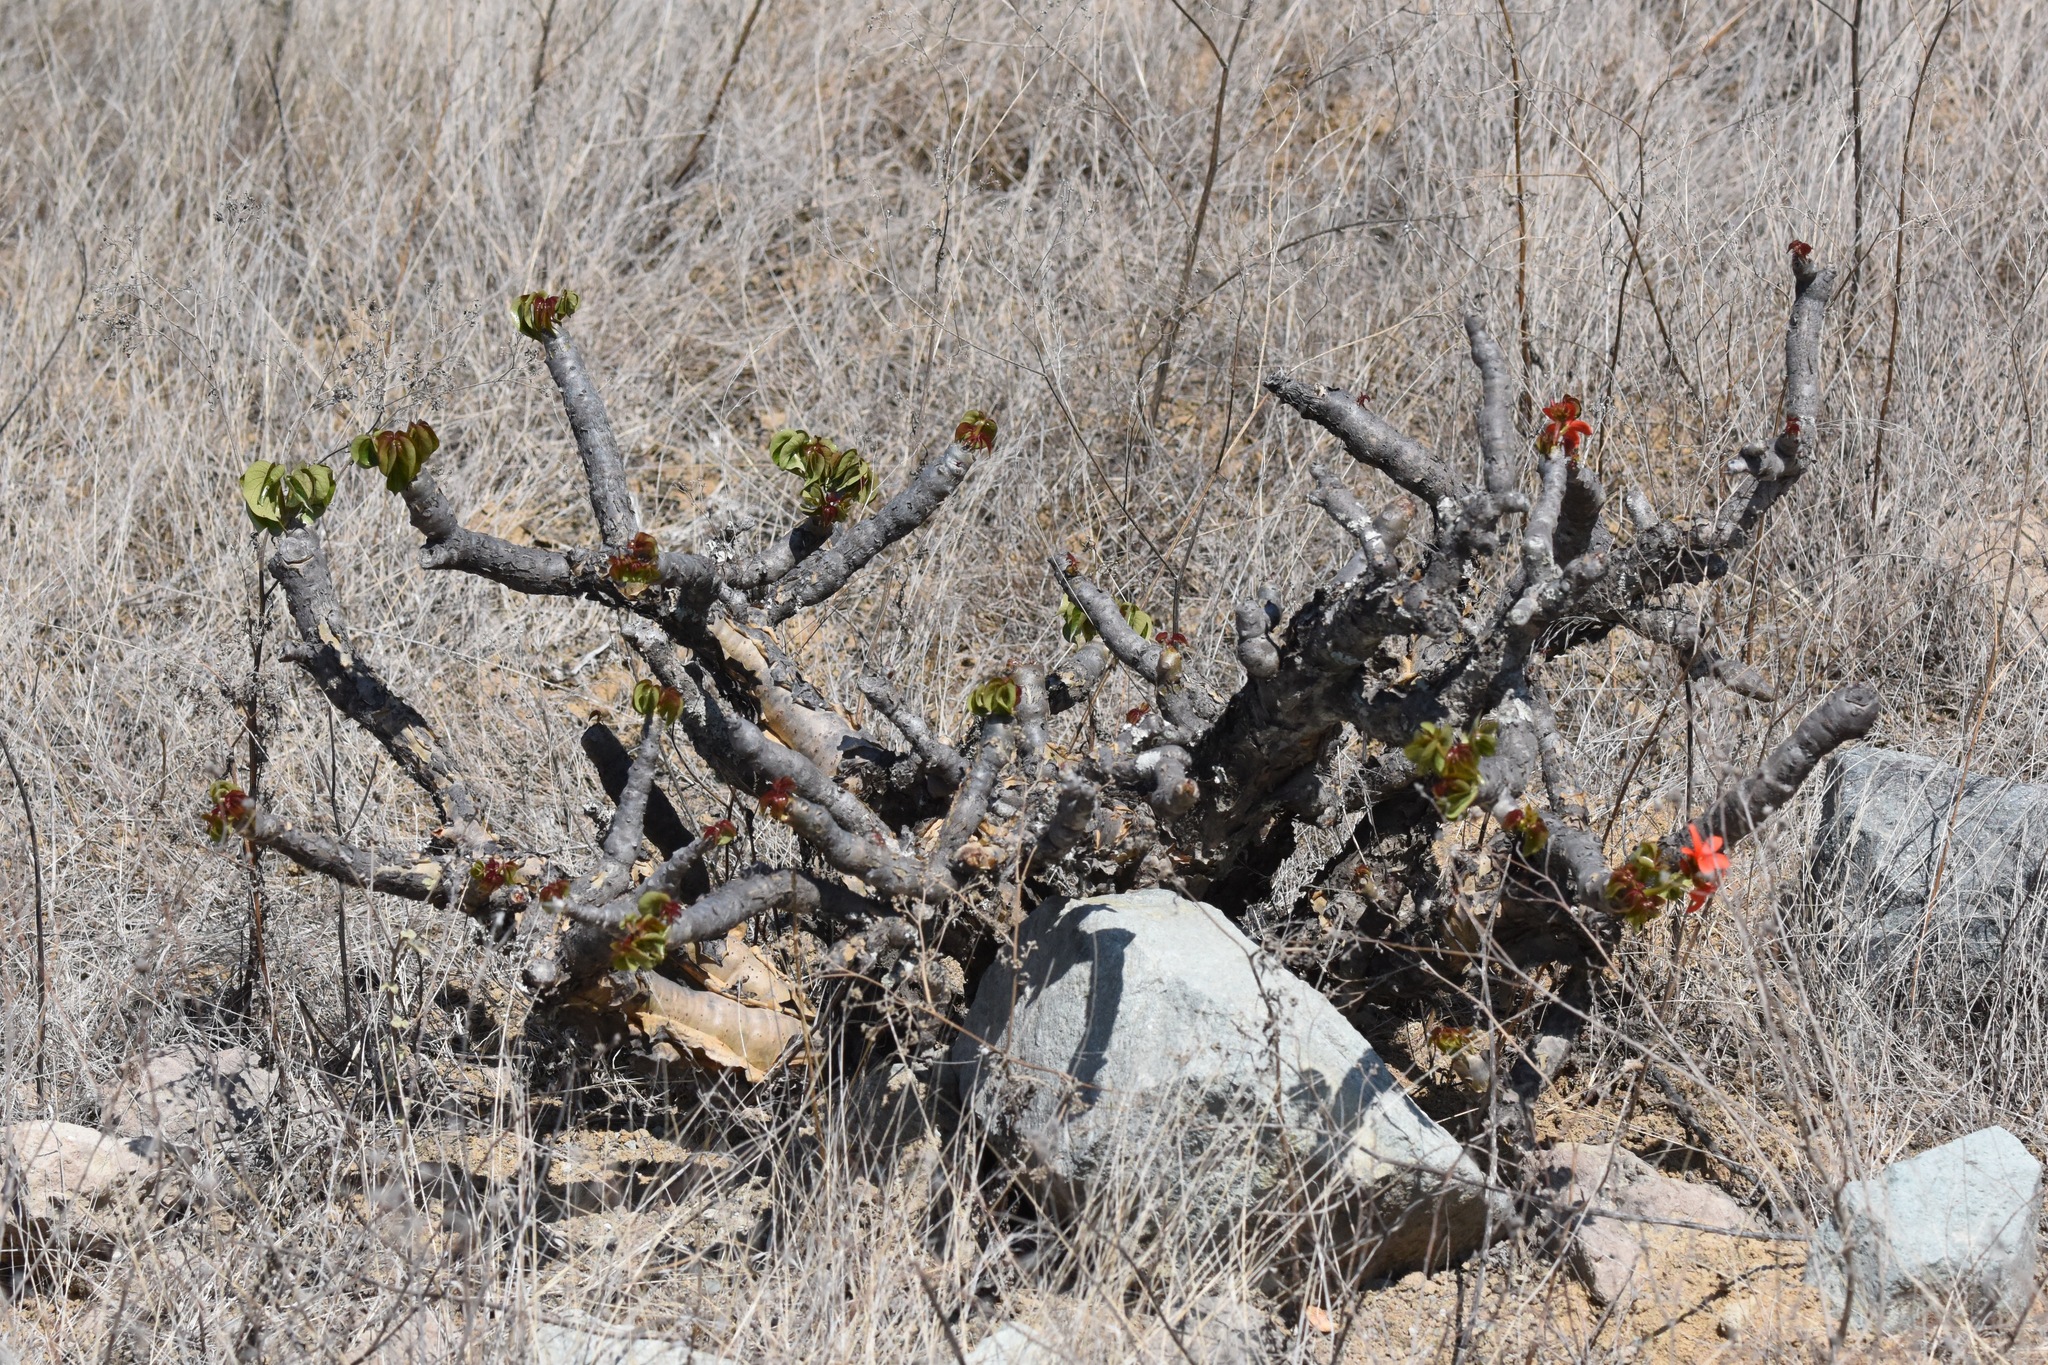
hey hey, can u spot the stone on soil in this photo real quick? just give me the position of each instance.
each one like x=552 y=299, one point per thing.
x=1158 y=1065
x=68 y=1190
x=1950 y=1230
x=1624 y=1218
x=188 y=1098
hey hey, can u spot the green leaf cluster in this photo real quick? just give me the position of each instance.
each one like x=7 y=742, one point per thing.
x=538 y=314
x=650 y=698
x=1079 y=630
x=230 y=807
x=1641 y=888
x=643 y=937
x=399 y=454
x=834 y=479
x=1451 y=757
x=996 y=698
x=639 y=567
x=277 y=495
x=976 y=431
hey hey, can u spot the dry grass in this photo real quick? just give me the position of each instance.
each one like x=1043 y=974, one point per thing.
x=248 y=230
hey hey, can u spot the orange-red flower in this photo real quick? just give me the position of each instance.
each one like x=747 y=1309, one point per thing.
x=1565 y=428
x=1703 y=861
x=1702 y=858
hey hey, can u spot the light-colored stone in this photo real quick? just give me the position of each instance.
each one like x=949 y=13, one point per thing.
x=1629 y=1223
x=1012 y=1345
x=1950 y=1230
x=1158 y=1064
x=70 y=1188
x=555 y=1344
x=188 y=1098
x=1884 y=831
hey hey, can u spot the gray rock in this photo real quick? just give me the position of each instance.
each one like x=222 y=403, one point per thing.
x=1158 y=1065
x=69 y=1189
x=185 y=1097
x=1012 y=1345
x=556 y=1344
x=1883 y=827
x=1949 y=1230
x=1629 y=1222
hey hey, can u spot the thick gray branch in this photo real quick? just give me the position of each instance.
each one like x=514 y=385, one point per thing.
x=939 y=757
x=529 y=568
x=1256 y=622
x=1131 y=649
x=1541 y=576
x=1072 y=682
x=300 y=566
x=1844 y=714
x=850 y=550
x=1072 y=817
x=1033 y=709
x=774 y=563
x=970 y=803
x=1490 y=421
x=430 y=881
x=1814 y=288
x=1161 y=775
x=603 y=469
x=1372 y=441
x=1335 y=499
x=622 y=840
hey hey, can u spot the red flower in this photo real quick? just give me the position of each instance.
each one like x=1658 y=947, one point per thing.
x=1171 y=637
x=1565 y=428
x=1702 y=859
x=1800 y=249
x=1136 y=714
x=719 y=833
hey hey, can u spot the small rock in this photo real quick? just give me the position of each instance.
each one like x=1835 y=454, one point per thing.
x=1155 y=1057
x=1952 y=1228
x=1012 y=1345
x=188 y=1098
x=1217 y=1331
x=1884 y=828
x=1623 y=1215
x=68 y=1188
x=555 y=1344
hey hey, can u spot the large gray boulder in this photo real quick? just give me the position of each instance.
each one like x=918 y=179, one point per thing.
x=1884 y=826
x=1950 y=1230
x=1148 y=1061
